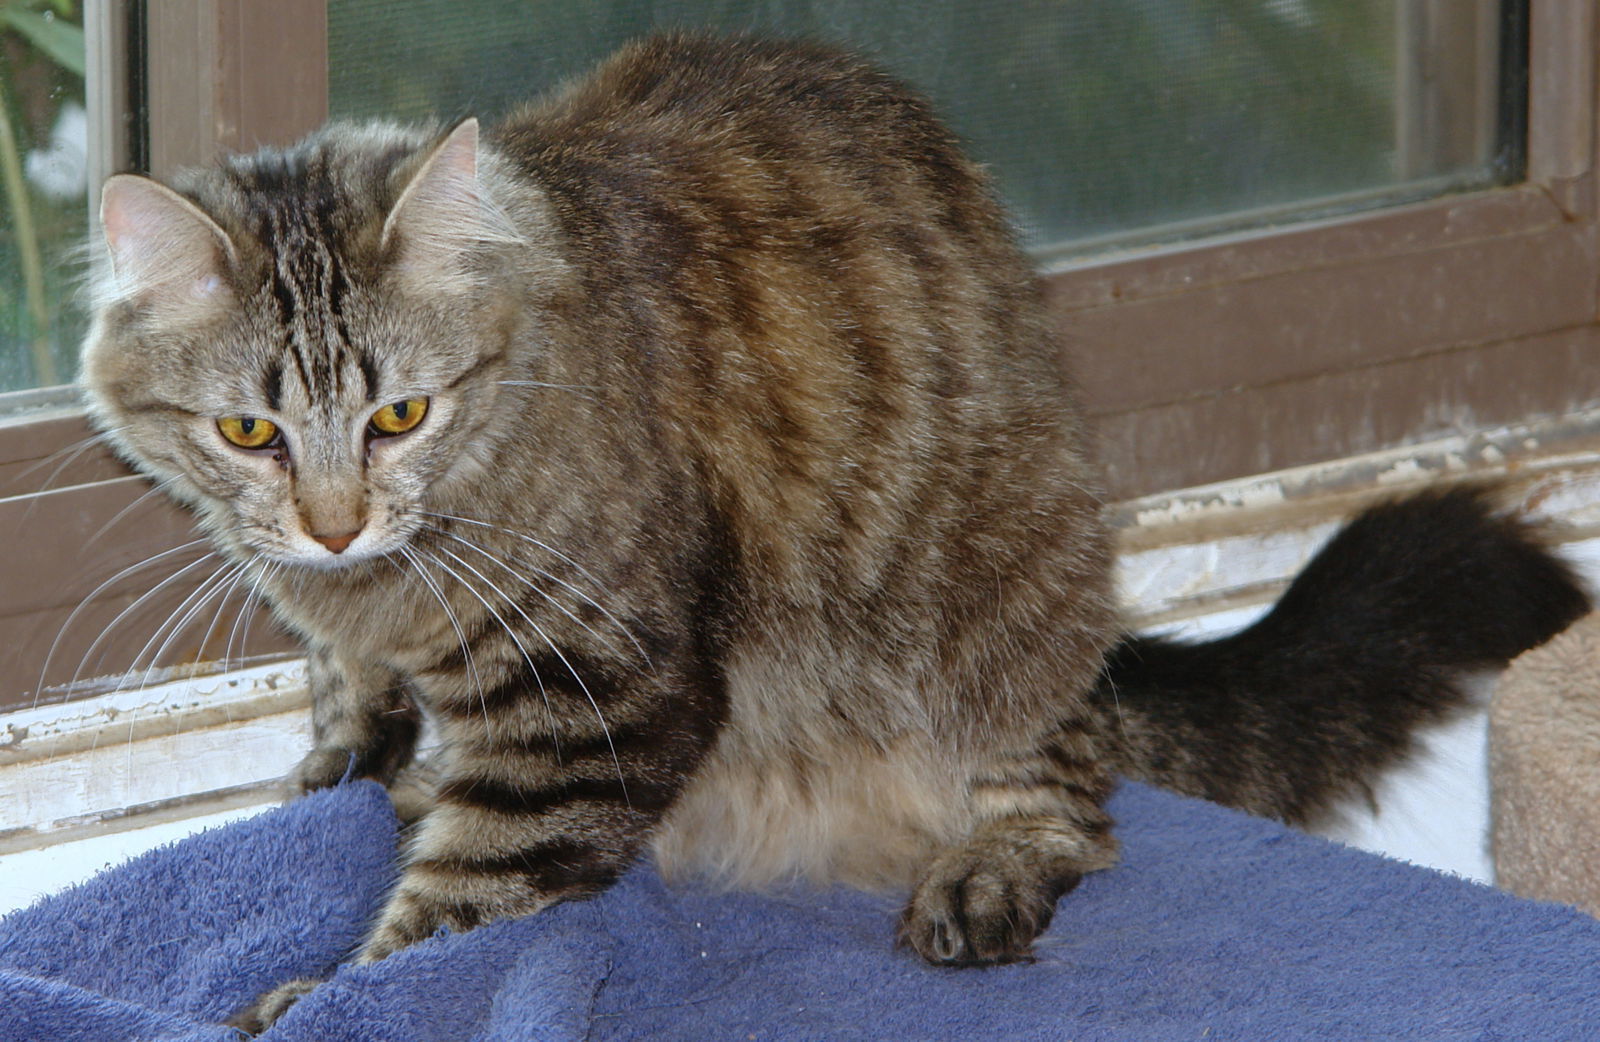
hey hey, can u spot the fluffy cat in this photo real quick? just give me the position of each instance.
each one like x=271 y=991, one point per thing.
x=692 y=448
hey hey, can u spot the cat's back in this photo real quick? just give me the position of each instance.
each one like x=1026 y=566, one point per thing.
x=790 y=258
x=697 y=87
x=715 y=141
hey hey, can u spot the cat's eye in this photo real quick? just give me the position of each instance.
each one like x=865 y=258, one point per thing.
x=248 y=432
x=399 y=417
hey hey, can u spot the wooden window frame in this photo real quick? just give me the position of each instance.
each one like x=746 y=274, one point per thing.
x=1323 y=340
x=1198 y=362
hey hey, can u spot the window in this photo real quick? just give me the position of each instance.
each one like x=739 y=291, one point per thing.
x=44 y=170
x=1105 y=123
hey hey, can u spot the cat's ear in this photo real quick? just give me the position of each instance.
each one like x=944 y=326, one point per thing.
x=164 y=251
x=444 y=217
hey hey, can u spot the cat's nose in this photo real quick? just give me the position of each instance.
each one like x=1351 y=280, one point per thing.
x=337 y=543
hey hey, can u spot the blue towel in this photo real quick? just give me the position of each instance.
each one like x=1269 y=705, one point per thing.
x=1215 y=926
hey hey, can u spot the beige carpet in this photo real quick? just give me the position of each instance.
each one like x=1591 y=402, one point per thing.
x=1544 y=769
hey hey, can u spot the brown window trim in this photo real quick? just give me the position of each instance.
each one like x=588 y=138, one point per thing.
x=1200 y=363
x=219 y=75
x=1333 y=338
x=1330 y=341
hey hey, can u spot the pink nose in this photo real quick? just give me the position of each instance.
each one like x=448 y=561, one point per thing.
x=337 y=543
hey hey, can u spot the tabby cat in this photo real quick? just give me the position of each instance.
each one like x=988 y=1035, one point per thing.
x=692 y=449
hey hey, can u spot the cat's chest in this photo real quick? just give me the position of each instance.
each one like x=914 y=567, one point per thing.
x=396 y=624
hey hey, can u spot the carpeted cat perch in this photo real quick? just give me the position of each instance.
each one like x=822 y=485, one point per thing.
x=1215 y=926
x=1544 y=762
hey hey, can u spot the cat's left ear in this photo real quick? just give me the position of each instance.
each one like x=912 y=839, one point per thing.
x=444 y=217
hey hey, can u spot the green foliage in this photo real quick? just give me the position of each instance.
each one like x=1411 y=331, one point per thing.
x=55 y=37
x=38 y=331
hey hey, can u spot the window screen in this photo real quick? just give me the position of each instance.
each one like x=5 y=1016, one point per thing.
x=1105 y=123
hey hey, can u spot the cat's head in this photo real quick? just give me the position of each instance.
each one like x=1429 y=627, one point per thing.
x=302 y=345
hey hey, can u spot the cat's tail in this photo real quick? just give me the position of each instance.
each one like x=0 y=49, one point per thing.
x=1300 y=710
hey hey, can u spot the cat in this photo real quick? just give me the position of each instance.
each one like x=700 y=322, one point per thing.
x=693 y=449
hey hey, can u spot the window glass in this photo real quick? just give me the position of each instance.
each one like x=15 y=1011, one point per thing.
x=1105 y=123
x=43 y=189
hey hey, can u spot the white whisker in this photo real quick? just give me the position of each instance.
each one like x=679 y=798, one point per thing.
x=92 y=594
x=133 y=606
x=583 y=389
x=159 y=486
x=186 y=612
x=461 y=637
x=247 y=612
x=604 y=727
x=555 y=736
x=536 y=589
x=72 y=452
x=555 y=578
x=238 y=577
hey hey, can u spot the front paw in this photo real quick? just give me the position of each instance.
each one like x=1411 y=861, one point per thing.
x=415 y=913
x=321 y=768
x=265 y=1011
x=413 y=789
x=415 y=792
x=455 y=898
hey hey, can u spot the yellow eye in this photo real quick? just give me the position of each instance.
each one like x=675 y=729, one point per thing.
x=399 y=417
x=248 y=432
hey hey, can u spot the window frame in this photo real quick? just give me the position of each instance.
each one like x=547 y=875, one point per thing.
x=1284 y=346
x=1198 y=362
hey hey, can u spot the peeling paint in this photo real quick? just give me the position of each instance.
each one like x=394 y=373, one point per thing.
x=1565 y=441
x=1402 y=472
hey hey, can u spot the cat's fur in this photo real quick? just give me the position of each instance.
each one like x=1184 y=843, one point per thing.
x=750 y=516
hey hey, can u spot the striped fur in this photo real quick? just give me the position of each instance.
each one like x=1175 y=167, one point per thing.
x=749 y=520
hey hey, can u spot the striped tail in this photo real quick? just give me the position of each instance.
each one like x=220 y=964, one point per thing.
x=1302 y=709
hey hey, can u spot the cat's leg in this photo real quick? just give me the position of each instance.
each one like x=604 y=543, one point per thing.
x=266 y=1010
x=364 y=724
x=548 y=790
x=549 y=787
x=1041 y=827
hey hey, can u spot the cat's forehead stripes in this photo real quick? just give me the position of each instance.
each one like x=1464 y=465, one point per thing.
x=272 y=384
x=299 y=216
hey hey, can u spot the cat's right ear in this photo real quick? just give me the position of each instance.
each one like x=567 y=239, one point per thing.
x=444 y=217
x=164 y=252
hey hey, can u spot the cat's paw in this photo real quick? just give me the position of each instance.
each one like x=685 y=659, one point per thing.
x=378 y=747
x=265 y=1011
x=427 y=901
x=969 y=913
x=415 y=913
x=321 y=768
x=414 y=792
x=985 y=901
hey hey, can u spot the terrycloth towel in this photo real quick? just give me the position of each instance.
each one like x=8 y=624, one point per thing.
x=1215 y=926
